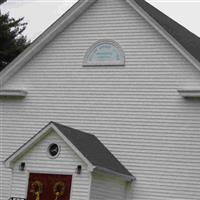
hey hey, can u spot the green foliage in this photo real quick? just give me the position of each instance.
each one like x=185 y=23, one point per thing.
x=12 y=42
x=2 y=1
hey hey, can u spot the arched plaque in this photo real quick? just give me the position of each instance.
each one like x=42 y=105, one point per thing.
x=104 y=53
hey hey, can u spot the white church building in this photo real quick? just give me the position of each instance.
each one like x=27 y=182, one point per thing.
x=104 y=105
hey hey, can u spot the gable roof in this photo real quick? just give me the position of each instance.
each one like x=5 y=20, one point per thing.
x=189 y=42
x=93 y=149
x=47 y=36
x=87 y=145
x=187 y=39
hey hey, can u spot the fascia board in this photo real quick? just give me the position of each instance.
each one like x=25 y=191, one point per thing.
x=113 y=173
x=73 y=147
x=24 y=148
x=44 y=39
x=164 y=33
x=50 y=127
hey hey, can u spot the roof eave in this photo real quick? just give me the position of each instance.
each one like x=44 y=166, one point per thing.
x=28 y=145
x=164 y=33
x=125 y=177
x=52 y=127
x=73 y=147
x=65 y=20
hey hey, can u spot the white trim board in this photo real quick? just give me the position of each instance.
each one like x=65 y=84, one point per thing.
x=44 y=132
x=83 y=158
x=65 y=20
x=164 y=33
x=35 y=139
x=189 y=93
x=13 y=93
x=112 y=173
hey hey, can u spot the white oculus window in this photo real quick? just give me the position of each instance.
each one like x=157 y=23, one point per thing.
x=104 y=53
x=53 y=150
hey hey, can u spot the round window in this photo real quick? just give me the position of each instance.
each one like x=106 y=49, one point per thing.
x=53 y=150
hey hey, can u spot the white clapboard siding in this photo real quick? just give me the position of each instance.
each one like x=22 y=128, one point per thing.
x=134 y=110
x=37 y=160
x=107 y=188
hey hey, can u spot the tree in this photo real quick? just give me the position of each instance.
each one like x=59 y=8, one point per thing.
x=12 y=42
x=2 y=1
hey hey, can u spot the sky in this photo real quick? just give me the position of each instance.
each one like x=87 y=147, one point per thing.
x=40 y=14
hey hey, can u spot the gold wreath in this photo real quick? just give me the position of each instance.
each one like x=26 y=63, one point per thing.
x=59 y=188
x=36 y=187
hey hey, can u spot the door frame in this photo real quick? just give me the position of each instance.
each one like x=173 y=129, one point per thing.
x=50 y=173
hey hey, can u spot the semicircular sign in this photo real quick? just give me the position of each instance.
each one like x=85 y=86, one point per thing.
x=104 y=53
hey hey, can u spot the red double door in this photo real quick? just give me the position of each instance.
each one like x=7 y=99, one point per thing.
x=49 y=187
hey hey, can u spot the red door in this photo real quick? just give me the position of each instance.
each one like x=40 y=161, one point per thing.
x=49 y=187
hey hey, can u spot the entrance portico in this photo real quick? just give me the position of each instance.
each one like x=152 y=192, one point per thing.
x=61 y=163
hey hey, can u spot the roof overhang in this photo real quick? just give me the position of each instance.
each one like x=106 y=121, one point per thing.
x=39 y=43
x=115 y=174
x=35 y=139
x=47 y=130
x=164 y=33
x=66 y=19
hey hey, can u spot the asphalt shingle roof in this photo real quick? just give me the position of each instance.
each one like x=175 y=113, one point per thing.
x=92 y=148
x=187 y=39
